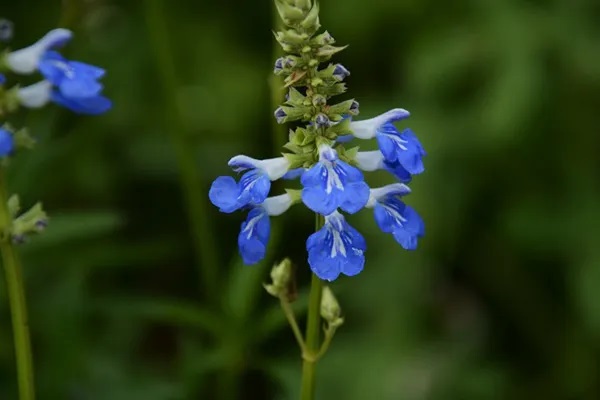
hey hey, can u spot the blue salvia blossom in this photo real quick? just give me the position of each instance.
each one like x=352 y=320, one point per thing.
x=7 y=143
x=70 y=84
x=331 y=177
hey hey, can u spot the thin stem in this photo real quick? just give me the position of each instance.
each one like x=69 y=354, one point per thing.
x=16 y=297
x=329 y=333
x=313 y=328
x=289 y=313
x=195 y=199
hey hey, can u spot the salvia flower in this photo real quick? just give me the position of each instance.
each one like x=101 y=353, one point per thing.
x=395 y=217
x=337 y=248
x=332 y=183
x=26 y=61
x=329 y=172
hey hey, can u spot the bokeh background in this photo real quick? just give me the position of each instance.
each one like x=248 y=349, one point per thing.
x=136 y=291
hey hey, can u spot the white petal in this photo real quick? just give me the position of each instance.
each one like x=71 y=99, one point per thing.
x=36 y=95
x=367 y=129
x=277 y=205
x=399 y=189
x=275 y=168
x=26 y=60
x=369 y=160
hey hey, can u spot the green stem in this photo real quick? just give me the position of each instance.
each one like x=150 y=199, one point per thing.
x=313 y=327
x=16 y=297
x=289 y=313
x=195 y=199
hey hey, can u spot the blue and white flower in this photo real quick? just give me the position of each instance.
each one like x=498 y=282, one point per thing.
x=26 y=60
x=255 y=231
x=374 y=160
x=253 y=187
x=397 y=147
x=395 y=217
x=340 y=72
x=337 y=248
x=331 y=183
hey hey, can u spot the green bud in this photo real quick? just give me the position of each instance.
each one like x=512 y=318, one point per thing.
x=23 y=140
x=311 y=22
x=330 y=308
x=319 y=100
x=322 y=39
x=14 y=205
x=333 y=90
x=295 y=98
x=301 y=158
x=32 y=221
x=339 y=129
x=289 y=13
x=283 y=282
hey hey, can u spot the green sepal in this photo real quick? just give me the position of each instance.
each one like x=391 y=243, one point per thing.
x=9 y=100
x=342 y=108
x=339 y=129
x=302 y=137
x=295 y=97
x=23 y=139
x=291 y=37
x=299 y=160
x=333 y=90
x=32 y=221
x=347 y=155
x=322 y=39
x=325 y=52
x=289 y=13
x=295 y=113
x=295 y=195
x=311 y=22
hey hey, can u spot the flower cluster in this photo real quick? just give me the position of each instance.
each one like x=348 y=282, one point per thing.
x=70 y=84
x=330 y=174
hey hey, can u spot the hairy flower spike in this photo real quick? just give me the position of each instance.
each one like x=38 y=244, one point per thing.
x=329 y=172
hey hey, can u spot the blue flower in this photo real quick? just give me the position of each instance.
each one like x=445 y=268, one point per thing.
x=2 y=79
x=253 y=187
x=332 y=183
x=403 y=148
x=77 y=86
x=254 y=236
x=7 y=143
x=255 y=231
x=280 y=115
x=367 y=129
x=374 y=160
x=229 y=195
x=26 y=60
x=337 y=248
x=395 y=217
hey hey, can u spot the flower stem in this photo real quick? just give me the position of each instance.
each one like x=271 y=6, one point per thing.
x=16 y=297
x=313 y=327
x=195 y=199
x=289 y=314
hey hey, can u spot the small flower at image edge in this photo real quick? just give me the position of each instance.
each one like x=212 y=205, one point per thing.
x=6 y=142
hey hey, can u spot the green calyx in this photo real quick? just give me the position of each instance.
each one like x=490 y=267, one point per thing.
x=33 y=221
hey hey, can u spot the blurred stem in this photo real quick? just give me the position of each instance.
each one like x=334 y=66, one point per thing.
x=289 y=314
x=313 y=326
x=195 y=199
x=16 y=297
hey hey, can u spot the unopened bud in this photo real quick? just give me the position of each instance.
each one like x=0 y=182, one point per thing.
x=330 y=308
x=282 y=281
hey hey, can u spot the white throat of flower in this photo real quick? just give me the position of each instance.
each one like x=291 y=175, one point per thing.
x=277 y=205
x=334 y=223
x=275 y=168
x=369 y=160
x=327 y=156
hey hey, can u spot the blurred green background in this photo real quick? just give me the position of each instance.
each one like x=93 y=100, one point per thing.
x=500 y=301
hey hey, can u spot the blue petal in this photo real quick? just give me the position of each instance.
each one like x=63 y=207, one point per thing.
x=254 y=187
x=91 y=105
x=224 y=193
x=294 y=173
x=314 y=175
x=254 y=236
x=398 y=171
x=356 y=196
x=412 y=157
x=319 y=201
x=384 y=219
x=6 y=142
x=2 y=79
x=406 y=239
